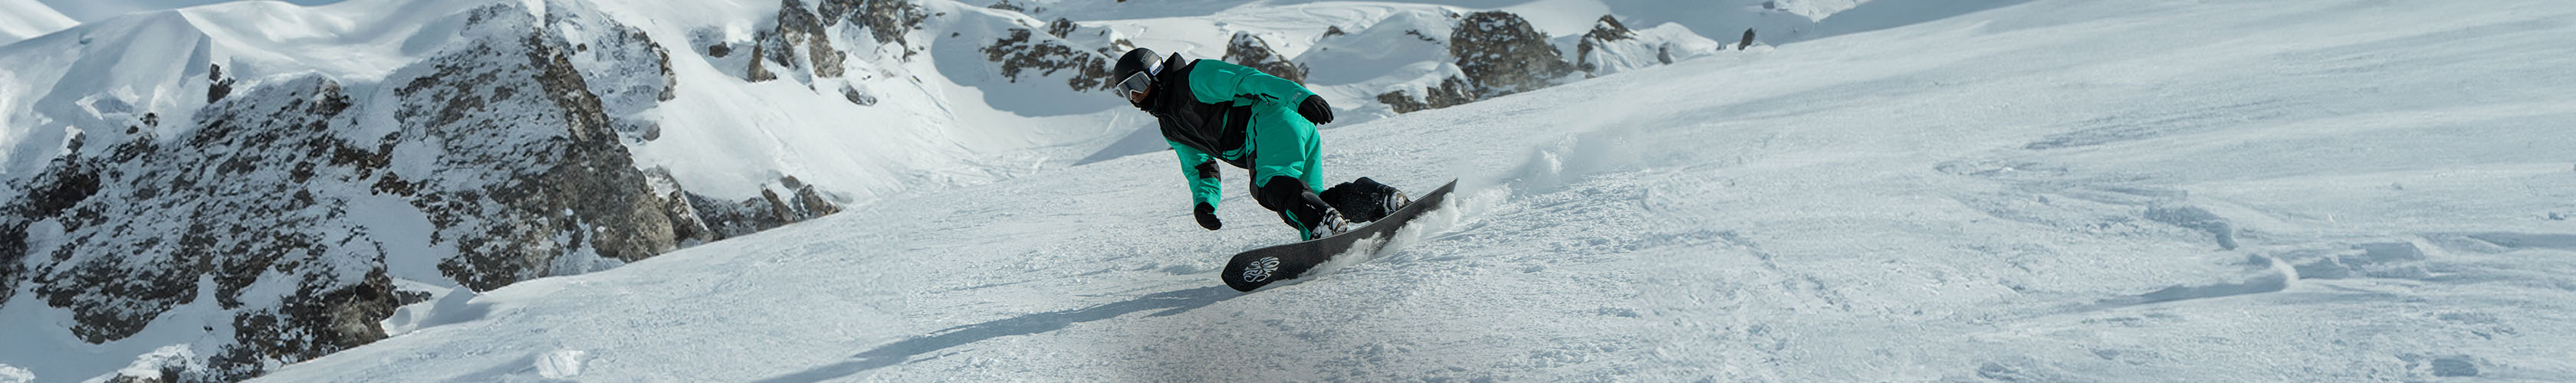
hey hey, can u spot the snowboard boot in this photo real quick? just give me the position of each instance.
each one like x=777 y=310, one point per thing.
x=1365 y=200
x=1331 y=224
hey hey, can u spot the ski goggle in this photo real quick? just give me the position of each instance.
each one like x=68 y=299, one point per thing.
x=1134 y=85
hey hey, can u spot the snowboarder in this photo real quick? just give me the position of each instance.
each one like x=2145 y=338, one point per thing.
x=1212 y=111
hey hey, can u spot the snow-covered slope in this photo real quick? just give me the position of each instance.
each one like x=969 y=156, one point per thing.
x=2301 y=190
x=21 y=19
x=95 y=10
x=229 y=187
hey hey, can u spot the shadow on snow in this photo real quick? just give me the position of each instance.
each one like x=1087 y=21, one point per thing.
x=1170 y=302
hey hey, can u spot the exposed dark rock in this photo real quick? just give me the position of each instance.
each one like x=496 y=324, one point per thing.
x=1609 y=29
x=1062 y=27
x=568 y=177
x=1020 y=53
x=1604 y=31
x=217 y=86
x=167 y=365
x=855 y=97
x=1007 y=5
x=886 y=19
x=799 y=29
x=630 y=72
x=312 y=323
x=758 y=73
x=670 y=80
x=515 y=159
x=1502 y=54
x=1251 y=51
x=1451 y=92
x=770 y=210
x=140 y=237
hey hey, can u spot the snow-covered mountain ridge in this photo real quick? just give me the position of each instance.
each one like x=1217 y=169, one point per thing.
x=21 y=19
x=225 y=189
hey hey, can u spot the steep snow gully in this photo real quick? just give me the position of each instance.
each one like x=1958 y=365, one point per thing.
x=2059 y=190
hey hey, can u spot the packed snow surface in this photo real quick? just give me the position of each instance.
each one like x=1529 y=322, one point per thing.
x=2300 y=190
x=2056 y=190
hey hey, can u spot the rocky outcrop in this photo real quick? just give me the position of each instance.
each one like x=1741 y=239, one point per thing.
x=529 y=168
x=758 y=72
x=799 y=41
x=1061 y=27
x=1498 y=53
x=249 y=199
x=1007 y=5
x=624 y=67
x=217 y=86
x=886 y=20
x=1603 y=32
x=267 y=214
x=723 y=219
x=798 y=30
x=1451 y=92
x=1501 y=54
x=1027 y=54
x=1611 y=47
x=1249 y=50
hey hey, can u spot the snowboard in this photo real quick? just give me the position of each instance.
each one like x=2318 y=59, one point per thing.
x=1258 y=267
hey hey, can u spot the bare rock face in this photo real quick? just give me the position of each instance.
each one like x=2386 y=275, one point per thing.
x=124 y=234
x=1007 y=5
x=1603 y=32
x=218 y=86
x=184 y=206
x=887 y=20
x=758 y=72
x=1020 y=54
x=1501 y=54
x=1451 y=92
x=557 y=170
x=1248 y=50
x=499 y=142
x=624 y=67
x=723 y=219
x=1498 y=53
x=266 y=216
x=800 y=45
x=1061 y=27
x=799 y=30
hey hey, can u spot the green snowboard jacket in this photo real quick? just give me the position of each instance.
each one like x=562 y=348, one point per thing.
x=1234 y=114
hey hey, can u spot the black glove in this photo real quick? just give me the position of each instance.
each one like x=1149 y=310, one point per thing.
x=1316 y=110
x=1207 y=216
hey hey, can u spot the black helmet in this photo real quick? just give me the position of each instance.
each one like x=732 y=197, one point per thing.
x=1136 y=60
x=1125 y=77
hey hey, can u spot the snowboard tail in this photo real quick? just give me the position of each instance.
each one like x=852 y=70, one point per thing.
x=1259 y=267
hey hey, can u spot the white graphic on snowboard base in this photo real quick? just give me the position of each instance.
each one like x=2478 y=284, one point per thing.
x=1261 y=269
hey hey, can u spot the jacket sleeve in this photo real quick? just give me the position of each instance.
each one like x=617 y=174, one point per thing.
x=1200 y=170
x=1217 y=82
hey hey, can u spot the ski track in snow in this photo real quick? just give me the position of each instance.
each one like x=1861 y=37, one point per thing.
x=2052 y=191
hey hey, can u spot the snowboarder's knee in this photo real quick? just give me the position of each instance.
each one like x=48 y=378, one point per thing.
x=1279 y=192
